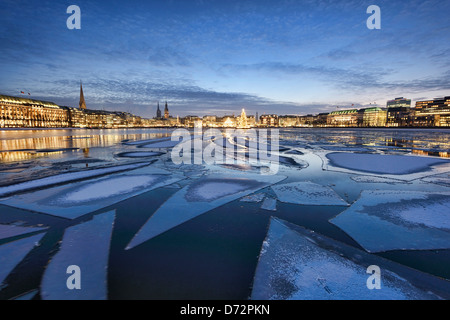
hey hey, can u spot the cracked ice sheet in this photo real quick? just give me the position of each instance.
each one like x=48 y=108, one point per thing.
x=398 y=220
x=375 y=179
x=67 y=177
x=296 y=264
x=77 y=199
x=13 y=252
x=441 y=179
x=9 y=230
x=308 y=193
x=403 y=167
x=85 y=245
x=199 y=197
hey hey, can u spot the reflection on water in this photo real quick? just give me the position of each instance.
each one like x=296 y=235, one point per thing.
x=23 y=145
x=425 y=142
x=31 y=144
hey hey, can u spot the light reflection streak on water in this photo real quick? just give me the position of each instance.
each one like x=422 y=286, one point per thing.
x=420 y=142
x=18 y=146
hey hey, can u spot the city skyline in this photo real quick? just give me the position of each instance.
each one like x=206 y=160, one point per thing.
x=215 y=58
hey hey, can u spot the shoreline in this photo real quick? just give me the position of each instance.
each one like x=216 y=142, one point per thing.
x=206 y=128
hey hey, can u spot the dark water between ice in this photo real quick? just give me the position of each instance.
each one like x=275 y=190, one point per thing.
x=213 y=256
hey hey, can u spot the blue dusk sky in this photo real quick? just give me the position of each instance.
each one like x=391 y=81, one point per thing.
x=219 y=56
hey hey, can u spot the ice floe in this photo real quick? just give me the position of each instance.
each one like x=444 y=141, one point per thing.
x=13 y=252
x=74 y=200
x=199 y=197
x=269 y=204
x=296 y=264
x=308 y=193
x=387 y=165
x=398 y=220
x=11 y=230
x=85 y=246
x=66 y=177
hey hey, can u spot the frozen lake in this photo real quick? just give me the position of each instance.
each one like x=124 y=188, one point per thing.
x=211 y=231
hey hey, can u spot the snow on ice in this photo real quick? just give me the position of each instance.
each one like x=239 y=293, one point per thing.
x=13 y=252
x=398 y=220
x=199 y=197
x=74 y=200
x=307 y=193
x=66 y=177
x=86 y=246
x=296 y=264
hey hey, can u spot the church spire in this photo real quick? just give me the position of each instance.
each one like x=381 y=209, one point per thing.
x=158 y=112
x=166 y=111
x=82 y=104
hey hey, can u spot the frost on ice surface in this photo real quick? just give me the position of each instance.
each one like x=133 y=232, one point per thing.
x=269 y=204
x=85 y=245
x=346 y=148
x=10 y=230
x=296 y=264
x=383 y=164
x=13 y=252
x=258 y=197
x=66 y=177
x=374 y=179
x=101 y=189
x=213 y=189
x=398 y=220
x=441 y=179
x=307 y=193
x=199 y=197
x=74 y=200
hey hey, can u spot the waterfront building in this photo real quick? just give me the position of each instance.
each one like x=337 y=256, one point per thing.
x=321 y=119
x=374 y=117
x=399 y=103
x=432 y=113
x=18 y=112
x=345 y=118
x=398 y=112
x=288 y=121
x=269 y=120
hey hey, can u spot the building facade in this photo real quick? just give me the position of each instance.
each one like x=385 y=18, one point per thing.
x=18 y=112
x=432 y=113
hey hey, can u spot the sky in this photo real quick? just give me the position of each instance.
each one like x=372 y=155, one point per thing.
x=215 y=57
